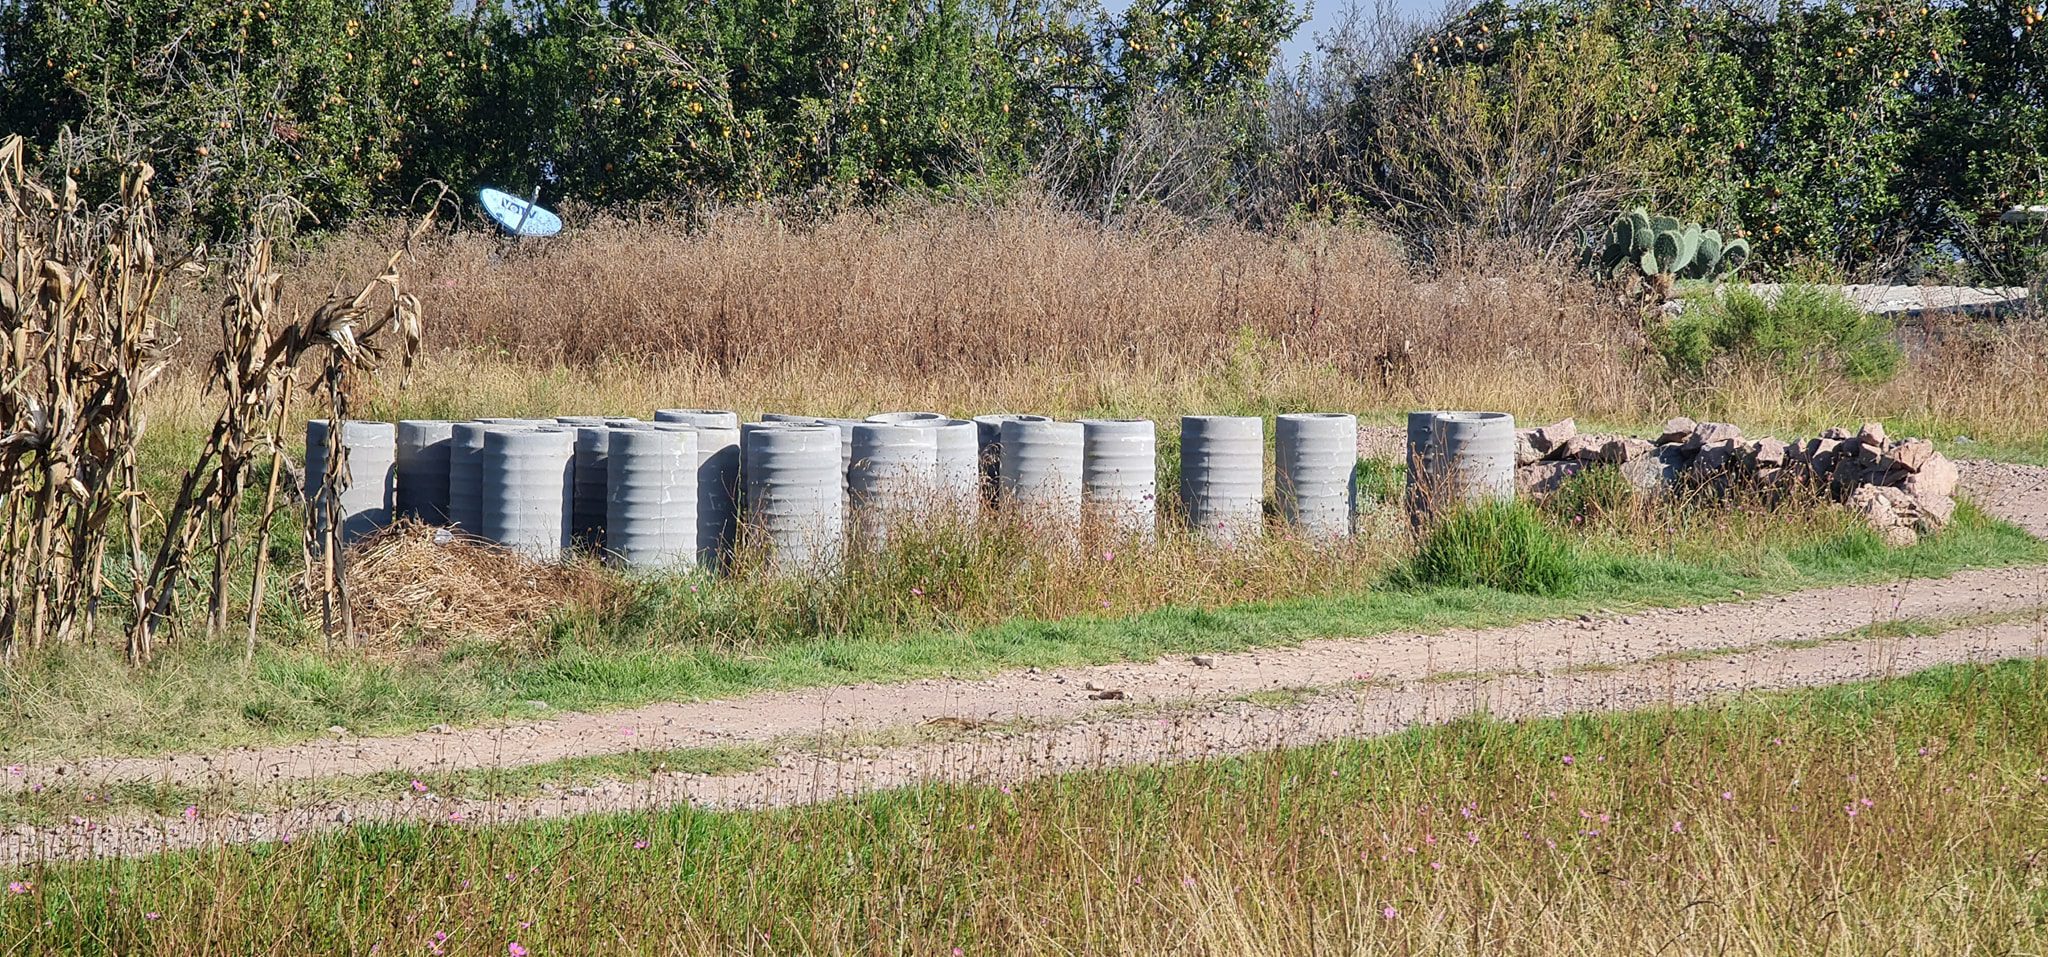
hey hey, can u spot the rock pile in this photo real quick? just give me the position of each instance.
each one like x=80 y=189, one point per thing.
x=1903 y=488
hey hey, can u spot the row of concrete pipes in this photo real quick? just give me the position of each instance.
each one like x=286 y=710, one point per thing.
x=671 y=493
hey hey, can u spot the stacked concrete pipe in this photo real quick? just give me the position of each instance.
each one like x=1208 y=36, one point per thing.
x=718 y=479
x=1223 y=475
x=421 y=470
x=527 y=488
x=794 y=483
x=1041 y=472
x=465 y=469
x=1120 y=475
x=1476 y=455
x=988 y=430
x=1314 y=463
x=592 y=476
x=369 y=459
x=651 y=498
x=957 y=444
x=894 y=476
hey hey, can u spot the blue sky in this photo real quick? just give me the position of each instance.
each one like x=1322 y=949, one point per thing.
x=1324 y=14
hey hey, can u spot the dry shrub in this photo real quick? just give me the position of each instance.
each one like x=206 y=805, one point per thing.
x=408 y=586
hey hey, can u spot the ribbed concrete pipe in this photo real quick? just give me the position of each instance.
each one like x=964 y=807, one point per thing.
x=893 y=481
x=794 y=495
x=1041 y=472
x=526 y=496
x=988 y=431
x=1223 y=475
x=845 y=427
x=1477 y=455
x=701 y=418
x=421 y=470
x=592 y=481
x=1425 y=470
x=651 y=499
x=900 y=418
x=370 y=458
x=1315 y=461
x=465 y=446
x=957 y=444
x=1120 y=474
x=718 y=478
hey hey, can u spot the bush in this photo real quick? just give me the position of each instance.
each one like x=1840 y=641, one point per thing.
x=1505 y=546
x=1595 y=493
x=1807 y=331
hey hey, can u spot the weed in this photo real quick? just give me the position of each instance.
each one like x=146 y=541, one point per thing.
x=1504 y=546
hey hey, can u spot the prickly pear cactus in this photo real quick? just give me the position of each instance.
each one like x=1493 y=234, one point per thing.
x=1662 y=248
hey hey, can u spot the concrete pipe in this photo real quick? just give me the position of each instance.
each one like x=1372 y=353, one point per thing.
x=1223 y=475
x=988 y=430
x=651 y=499
x=526 y=496
x=1315 y=462
x=895 y=474
x=1120 y=475
x=592 y=481
x=421 y=470
x=1476 y=455
x=957 y=444
x=701 y=418
x=369 y=459
x=1041 y=472
x=465 y=445
x=579 y=420
x=794 y=492
x=903 y=418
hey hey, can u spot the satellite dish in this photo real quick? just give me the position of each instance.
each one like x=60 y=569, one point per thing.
x=518 y=217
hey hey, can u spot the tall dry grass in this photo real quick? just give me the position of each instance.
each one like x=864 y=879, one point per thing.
x=1024 y=307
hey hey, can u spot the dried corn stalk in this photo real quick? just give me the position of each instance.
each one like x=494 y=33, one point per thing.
x=80 y=339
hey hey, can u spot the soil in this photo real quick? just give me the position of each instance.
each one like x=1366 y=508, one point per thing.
x=1364 y=687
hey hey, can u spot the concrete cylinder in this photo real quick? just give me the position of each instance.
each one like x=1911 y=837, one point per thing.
x=1041 y=471
x=718 y=488
x=701 y=418
x=369 y=462
x=421 y=470
x=1476 y=455
x=957 y=445
x=465 y=445
x=794 y=497
x=579 y=420
x=1120 y=475
x=651 y=499
x=1315 y=459
x=527 y=489
x=900 y=418
x=988 y=430
x=894 y=478
x=1223 y=475
x=592 y=481
x=617 y=421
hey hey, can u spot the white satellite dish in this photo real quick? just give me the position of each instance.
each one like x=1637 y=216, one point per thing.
x=518 y=217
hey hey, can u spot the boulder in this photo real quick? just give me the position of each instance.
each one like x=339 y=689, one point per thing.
x=1677 y=431
x=1839 y=435
x=1719 y=455
x=1937 y=478
x=1654 y=473
x=1625 y=449
x=1549 y=440
x=1936 y=511
x=1889 y=512
x=1872 y=433
x=1768 y=452
x=1541 y=479
x=1581 y=448
x=1525 y=448
x=1912 y=455
x=1710 y=433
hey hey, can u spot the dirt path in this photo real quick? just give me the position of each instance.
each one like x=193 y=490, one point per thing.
x=1635 y=660
x=1201 y=730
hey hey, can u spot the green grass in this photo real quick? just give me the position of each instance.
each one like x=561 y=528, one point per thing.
x=81 y=702
x=1888 y=817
